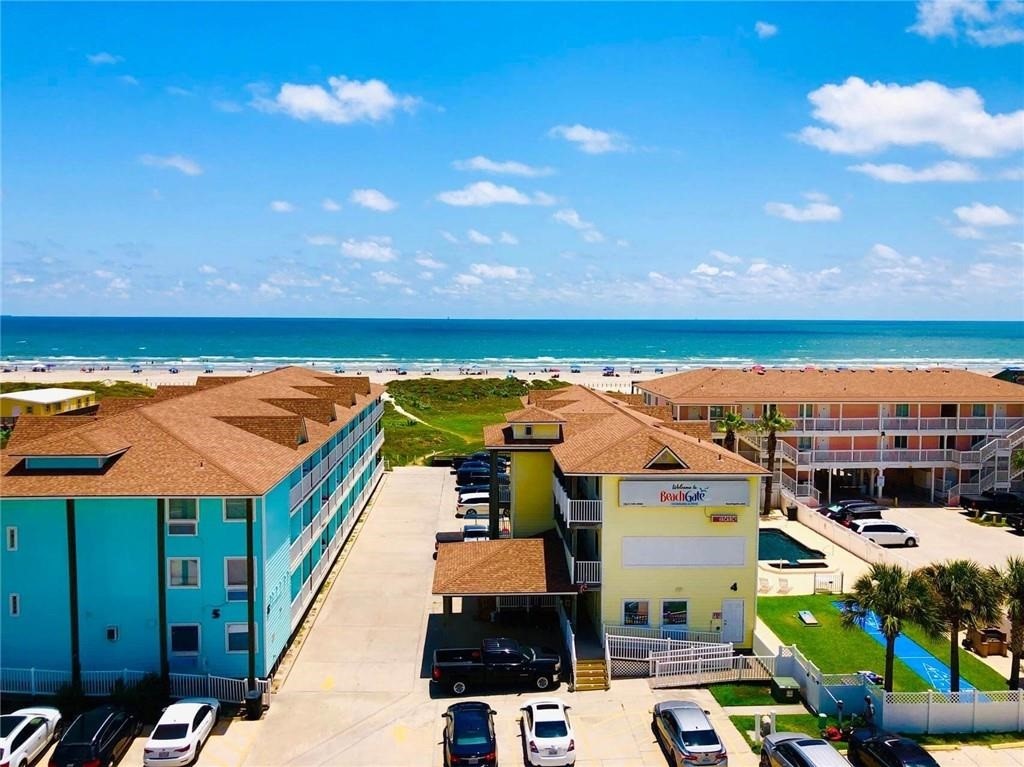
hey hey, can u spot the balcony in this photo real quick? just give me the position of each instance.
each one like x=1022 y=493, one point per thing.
x=587 y=572
x=902 y=425
x=577 y=512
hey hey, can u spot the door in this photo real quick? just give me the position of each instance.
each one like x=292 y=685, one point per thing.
x=733 y=620
x=748 y=412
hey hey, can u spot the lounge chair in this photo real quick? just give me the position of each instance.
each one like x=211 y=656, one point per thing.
x=784 y=587
x=763 y=586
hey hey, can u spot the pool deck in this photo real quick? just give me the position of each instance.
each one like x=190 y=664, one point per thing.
x=802 y=581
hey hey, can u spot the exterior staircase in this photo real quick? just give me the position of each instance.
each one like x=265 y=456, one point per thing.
x=591 y=675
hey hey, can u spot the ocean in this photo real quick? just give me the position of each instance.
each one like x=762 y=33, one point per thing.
x=505 y=344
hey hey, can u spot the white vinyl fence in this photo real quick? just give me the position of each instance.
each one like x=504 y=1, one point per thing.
x=856 y=544
x=568 y=637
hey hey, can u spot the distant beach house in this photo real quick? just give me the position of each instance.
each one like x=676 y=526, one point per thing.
x=187 y=533
x=647 y=526
x=928 y=433
x=44 y=402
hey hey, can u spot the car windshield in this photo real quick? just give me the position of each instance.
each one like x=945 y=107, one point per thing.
x=8 y=723
x=169 y=732
x=472 y=731
x=551 y=730
x=699 y=738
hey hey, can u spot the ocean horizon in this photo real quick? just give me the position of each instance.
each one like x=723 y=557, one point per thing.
x=506 y=343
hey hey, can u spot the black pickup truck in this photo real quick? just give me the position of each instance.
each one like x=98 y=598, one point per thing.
x=1004 y=503
x=496 y=662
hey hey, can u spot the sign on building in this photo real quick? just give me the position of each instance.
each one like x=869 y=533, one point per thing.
x=634 y=492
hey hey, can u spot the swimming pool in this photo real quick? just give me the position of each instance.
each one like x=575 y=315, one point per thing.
x=778 y=547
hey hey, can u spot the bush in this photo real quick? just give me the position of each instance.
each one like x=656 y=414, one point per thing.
x=71 y=702
x=146 y=700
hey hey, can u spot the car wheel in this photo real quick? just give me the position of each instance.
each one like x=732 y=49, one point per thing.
x=764 y=760
x=459 y=687
x=910 y=542
x=542 y=682
x=872 y=540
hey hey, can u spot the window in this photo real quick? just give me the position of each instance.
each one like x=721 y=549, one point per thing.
x=182 y=516
x=716 y=412
x=900 y=443
x=183 y=573
x=903 y=410
x=766 y=409
x=14 y=605
x=634 y=613
x=528 y=431
x=804 y=443
x=673 y=612
x=236 y=579
x=805 y=411
x=978 y=411
x=237 y=637
x=185 y=639
x=12 y=538
x=235 y=509
x=28 y=409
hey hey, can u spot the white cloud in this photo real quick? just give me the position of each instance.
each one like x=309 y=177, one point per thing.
x=16 y=278
x=1005 y=250
x=485 y=193
x=116 y=285
x=177 y=90
x=370 y=249
x=817 y=210
x=346 y=102
x=591 y=140
x=862 y=117
x=592 y=236
x=103 y=57
x=449 y=236
x=281 y=206
x=894 y=173
x=983 y=23
x=979 y=215
x=330 y=205
x=222 y=284
x=707 y=270
x=507 y=167
x=227 y=106
x=176 y=162
x=269 y=291
x=387 y=278
x=207 y=269
x=478 y=238
x=426 y=275
x=321 y=239
x=128 y=79
x=765 y=30
x=1012 y=174
x=373 y=199
x=465 y=280
x=429 y=262
x=507 y=238
x=622 y=242
x=500 y=272
x=967 y=233
x=588 y=231
x=724 y=257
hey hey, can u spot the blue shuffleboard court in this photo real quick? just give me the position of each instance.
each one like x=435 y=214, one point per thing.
x=921 y=662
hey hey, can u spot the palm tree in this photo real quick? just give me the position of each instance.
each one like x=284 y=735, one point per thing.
x=732 y=423
x=895 y=596
x=1012 y=581
x=967 y=596
x=1017 y=460
x=771 y=423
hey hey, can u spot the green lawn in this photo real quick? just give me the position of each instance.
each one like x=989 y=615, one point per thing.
x=835 y=649
x=742 y=694
x=409 y=442
x=805 y=723
x=115 y=389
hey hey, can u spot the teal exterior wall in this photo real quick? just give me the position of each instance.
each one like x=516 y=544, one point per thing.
x=40 y=637
x=276 y=543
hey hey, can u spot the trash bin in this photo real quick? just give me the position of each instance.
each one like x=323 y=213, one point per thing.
x=253 y=705
x=791 y=512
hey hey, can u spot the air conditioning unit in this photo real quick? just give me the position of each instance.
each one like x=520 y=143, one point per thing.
x=113 y=634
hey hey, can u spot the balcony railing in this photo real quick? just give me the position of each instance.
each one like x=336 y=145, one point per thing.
x=975 y=425
x=577 y=512
x=587 y=572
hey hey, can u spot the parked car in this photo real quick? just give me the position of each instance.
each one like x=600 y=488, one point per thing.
x=26 y=733
x=495 y=662
x=794 y=749
x=848 y=503
x=478 y=502
x=885 y=533
x=97 y=738
x=469 y=735
x=181 y=732
x=857 y=513
x=477 y=477
x=550 y=740
x=873 y=748
x=991 y=500
x=685 y=734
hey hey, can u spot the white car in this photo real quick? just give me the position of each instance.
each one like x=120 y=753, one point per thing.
x=548 y=733
x=181 y=732
x=478 y=502
x=885 y=533
x=27 y=733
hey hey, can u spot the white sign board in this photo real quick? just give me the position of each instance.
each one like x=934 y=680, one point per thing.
x=673 y=551
x=696 y=492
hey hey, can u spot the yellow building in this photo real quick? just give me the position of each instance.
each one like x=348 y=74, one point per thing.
x=45 y=402
x=658 y=527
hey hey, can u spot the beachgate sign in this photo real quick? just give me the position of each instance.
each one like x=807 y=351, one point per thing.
x=688 y=493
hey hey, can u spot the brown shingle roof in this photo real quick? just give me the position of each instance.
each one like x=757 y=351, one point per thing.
x=533 y=415
x=509 y=566
x=717 y=386
x=33 y=427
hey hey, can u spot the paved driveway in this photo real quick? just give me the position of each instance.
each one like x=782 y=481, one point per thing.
x=949 y=534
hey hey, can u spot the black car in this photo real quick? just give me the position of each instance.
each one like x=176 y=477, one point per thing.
x=97 y=738
x=872 y=748
x=857 y=513
x=846 y=503
x=469 y=735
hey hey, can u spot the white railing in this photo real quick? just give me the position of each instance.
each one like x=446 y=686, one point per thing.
x=682 y=671
x=877 y=424
x=588 y=572
x=893 y=455
x=568 y=636
x=849 y=540
x=223 y=688
x=798 y=490
x=577 y=512
x=665 y=633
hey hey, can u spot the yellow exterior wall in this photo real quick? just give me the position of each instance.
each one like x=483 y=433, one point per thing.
x=532 y=500
x=9 y=404
x=703 y=587
x=543 y=431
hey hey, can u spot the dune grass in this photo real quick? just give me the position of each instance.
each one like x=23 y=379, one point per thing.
x=113 y=389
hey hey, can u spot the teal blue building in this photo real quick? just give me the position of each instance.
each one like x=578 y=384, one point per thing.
x=187 y=533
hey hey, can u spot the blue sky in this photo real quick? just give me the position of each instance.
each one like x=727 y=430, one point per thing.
x=514 y=160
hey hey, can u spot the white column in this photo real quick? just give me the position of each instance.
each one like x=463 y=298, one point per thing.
x=933 y=485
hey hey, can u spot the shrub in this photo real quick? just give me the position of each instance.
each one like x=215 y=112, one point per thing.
x=146 y=699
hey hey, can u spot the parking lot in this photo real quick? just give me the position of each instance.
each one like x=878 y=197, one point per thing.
x=947 y=533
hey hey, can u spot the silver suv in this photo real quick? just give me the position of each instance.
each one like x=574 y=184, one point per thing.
x=685 y=734
x=794 y=749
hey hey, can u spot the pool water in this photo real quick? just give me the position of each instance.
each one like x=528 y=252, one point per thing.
x=777 y=545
